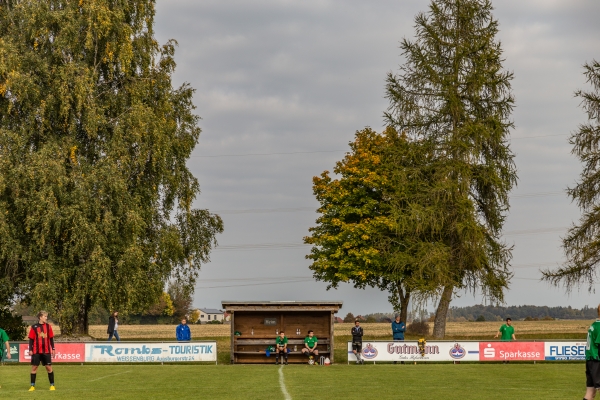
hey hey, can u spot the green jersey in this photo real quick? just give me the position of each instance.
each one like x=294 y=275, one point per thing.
x=281 y=342
x=310 y=341
x=593 y=340
x=3 y=340
x=507 y=332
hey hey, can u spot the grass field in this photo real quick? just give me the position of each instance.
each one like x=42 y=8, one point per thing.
x=437 y=381
x=381 y=381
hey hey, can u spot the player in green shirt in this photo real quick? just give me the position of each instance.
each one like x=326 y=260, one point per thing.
x=4 y=342
x=592 y=360
x=281 y=343
x=507 y=331
x=310 y=345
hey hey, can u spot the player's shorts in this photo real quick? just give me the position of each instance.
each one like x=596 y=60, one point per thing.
x=280 y=348
x=592 y=374
x=357 y=346
x=305 y=350
x=45 y=359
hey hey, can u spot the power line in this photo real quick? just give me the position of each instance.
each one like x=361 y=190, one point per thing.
x=536 y=265
x=266 y=210
x=328 y=151
x=277 y=246
x=269 y=154
x=256 y=284
x=260 y=246
x=539 y=194
x=535 y=231
x=314 y=209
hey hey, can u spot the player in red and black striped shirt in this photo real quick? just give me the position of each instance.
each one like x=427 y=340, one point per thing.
x=41 y=348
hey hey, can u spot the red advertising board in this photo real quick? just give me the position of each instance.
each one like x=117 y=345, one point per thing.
x=65 y=352
x=511 y=351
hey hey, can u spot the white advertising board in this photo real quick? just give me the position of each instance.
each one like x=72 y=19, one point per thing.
x=564 y=351
x=409 y=351
x=151 y=352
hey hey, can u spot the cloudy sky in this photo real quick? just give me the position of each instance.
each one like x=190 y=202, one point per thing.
x=283 y=85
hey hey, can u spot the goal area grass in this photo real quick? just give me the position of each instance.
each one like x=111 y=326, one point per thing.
x=340 y=381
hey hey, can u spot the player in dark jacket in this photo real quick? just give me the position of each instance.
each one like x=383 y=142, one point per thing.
x=357 y=334
x=41 y=348
x=398 y=329
x=113 y=326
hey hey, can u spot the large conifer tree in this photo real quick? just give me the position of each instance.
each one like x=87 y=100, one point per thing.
x=95 y=195
x=453 y=93
x=582 y=243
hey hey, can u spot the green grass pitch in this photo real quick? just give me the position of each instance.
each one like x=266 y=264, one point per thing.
x=341 y=381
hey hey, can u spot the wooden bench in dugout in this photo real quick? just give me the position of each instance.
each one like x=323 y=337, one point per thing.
x=322 y=346
x=257 y=325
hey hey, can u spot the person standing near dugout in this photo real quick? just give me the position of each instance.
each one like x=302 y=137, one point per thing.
x=113 y=326
x=183 y=331
x=41 y=348
x=398 y=329
x=357 y=334
x=592 y=359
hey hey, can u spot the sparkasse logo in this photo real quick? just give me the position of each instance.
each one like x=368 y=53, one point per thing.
x=489 y=351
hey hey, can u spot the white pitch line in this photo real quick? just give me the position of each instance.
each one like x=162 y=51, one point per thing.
x=286 y=395
x=108 y=376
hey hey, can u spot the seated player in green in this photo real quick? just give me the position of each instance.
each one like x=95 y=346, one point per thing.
x=310 y=345
x=281 y=343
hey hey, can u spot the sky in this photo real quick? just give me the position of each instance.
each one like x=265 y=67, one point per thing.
x=282 y=86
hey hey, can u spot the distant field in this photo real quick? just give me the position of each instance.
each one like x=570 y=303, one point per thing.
x=166 y=332
x=474 y=330
x=439 y=381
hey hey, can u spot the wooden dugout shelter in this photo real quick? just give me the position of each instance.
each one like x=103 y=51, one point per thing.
x=258 y=323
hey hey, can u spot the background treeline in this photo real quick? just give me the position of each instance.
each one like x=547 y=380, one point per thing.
x=486 y=313
x=492 y=313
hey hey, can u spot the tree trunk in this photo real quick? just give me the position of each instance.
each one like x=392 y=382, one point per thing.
x=439 y=325
x=79 y=324
x=404 y=298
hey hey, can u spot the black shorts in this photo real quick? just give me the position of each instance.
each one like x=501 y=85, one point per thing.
x=45 y=359
x=309 y=351
x=592 y=374
x=357 y=346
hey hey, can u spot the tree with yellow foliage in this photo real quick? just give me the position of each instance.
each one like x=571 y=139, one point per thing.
x=359 y=237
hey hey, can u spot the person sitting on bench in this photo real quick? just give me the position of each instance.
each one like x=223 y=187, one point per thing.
x=281 y=343
x=310 y=344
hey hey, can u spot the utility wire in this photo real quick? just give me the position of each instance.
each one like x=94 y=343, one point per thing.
x=314 y=209
x=255 y=284
x=276 y=246
x=329 y=151
x=535 y=231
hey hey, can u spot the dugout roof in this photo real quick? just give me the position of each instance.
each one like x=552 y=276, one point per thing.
x=295 y=305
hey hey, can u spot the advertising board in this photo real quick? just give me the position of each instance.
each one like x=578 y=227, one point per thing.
x=511 y=351
x=65 y=352
x=409 y=351
x=150 y=352
x=564 y=351
x=14 y=353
